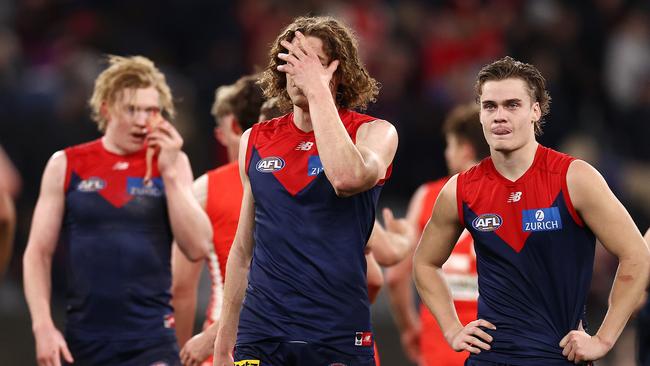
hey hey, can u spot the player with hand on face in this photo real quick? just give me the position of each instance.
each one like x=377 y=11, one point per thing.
x=117 y=228
x=311 y=182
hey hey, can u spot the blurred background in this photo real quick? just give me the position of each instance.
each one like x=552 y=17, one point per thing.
x=594 y=54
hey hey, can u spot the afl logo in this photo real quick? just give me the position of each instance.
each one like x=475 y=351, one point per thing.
x=270 y=164
x=92 y=184
x=487 y=222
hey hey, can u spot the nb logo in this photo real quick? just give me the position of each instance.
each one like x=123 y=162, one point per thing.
x=363 y=339
x=305 y=146
x=121 y=165
x=514 y=197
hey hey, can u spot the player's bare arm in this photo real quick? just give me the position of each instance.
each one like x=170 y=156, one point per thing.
x=436 y=244
x=614 y=228
x=190 y=224
x=392 y=244
x=375 y=277
x=11 y=181
x=185 y=277
x=237 y=268
x=200 y=346
x=37 y=263
x=9 y=186
x=7 y=229
x=400 y=291
x=350 y=168
x=185 y=283
x=404 y=310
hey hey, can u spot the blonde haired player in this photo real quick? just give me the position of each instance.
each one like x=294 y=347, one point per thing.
x=117 y=229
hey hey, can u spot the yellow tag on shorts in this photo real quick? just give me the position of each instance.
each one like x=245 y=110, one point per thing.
x=247 y=363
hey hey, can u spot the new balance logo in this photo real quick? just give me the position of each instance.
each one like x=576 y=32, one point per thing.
x=121 y=165
x=514 y=197
x=305 y=146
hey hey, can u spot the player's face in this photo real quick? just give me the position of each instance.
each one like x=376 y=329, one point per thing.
x=508 y=114
x=127 y=118
x=297 y=97
x=455 y=152
x=225 y=132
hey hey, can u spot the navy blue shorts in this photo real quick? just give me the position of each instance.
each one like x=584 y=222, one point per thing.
x=471 y=362
x=295 y=354
x=643 y=335
x=139 y=352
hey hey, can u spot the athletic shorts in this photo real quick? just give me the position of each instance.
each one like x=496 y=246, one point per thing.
x=138 y=352
x=643 y=335
x=471 y=362
x=295 y=354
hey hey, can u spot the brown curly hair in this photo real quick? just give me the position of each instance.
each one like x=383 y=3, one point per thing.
x=509 y=68
x=356 y=88
x=464 y=123
x=243 y=99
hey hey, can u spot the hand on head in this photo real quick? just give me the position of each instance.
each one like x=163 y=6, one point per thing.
x=304 y=65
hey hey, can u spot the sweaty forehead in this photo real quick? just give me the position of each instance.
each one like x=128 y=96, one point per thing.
x=315 y=44
x=506 y=89
x=138 y=96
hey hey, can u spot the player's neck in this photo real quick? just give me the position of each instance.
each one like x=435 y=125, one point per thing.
x=302 y=119
x=466 y=166
x=513 y=164
x=113 y=148
x=233 y=153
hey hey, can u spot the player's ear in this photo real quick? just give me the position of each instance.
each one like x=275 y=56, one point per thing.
x=219 y=136
x=468 y=151
x=103 y=111
x=235 y=127
x=537 y=112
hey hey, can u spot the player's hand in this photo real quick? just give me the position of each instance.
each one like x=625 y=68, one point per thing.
x=303 y=65
x=222 y=353
x=223 y=359
x=410 y=339
x=50 y=347
x=472 y=338
x=578 y=346
x=168 y=141
x=399 y=230
x=197 y=350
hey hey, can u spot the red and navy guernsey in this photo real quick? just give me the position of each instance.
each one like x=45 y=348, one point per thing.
x=307 y=280
x=534 y=257
x=118 y=240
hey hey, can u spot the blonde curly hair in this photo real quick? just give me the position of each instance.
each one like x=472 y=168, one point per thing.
x=128 y=72
x=355 y=89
